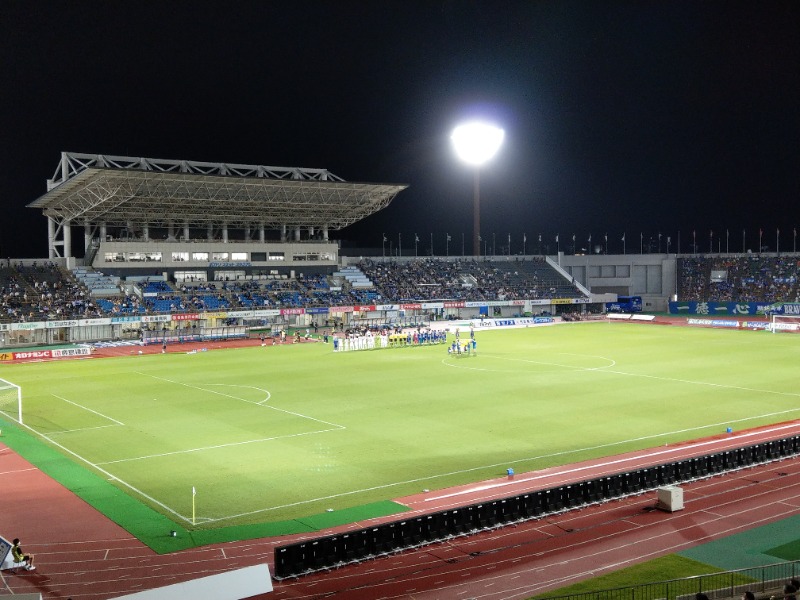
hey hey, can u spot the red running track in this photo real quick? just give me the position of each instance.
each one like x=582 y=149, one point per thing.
x=82 y=555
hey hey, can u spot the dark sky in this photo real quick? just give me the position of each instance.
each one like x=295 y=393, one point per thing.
x=620 y=116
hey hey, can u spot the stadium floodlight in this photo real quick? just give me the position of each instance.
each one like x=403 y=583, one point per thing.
x=476 y=143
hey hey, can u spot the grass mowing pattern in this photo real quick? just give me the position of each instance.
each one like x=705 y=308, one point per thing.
x=277 y=435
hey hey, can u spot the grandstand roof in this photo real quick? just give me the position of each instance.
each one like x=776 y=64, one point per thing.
x=122 y=190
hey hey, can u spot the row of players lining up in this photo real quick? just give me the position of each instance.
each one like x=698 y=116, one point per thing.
x=370 y=341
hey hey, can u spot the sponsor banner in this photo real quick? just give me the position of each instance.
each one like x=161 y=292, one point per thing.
x=90 y=322
x=540 y=302
x=459 y=304
x=293 y=311
x=561 y=301
x=369 y=308
x=4 y=327
x=388 y=307
x=186 y=317
x=792 y=308
x=317 y=310
x=6 y=356
x=427 y=305
x=517 y=303
x=340 y=309
x=472 y=304
x=229 y=264
x=57 y=324
x=539 y=320
x=755 y=324
x=68 y=352
x=131 y=319
x=268 y=312
x=734 y=308
x=155 y=318
x=26 y=326
x=581 y=300
x=241 y=314
x=32 y=354
x=217 y=315
x=713 y=322
x=412 y=306
x=150 y=294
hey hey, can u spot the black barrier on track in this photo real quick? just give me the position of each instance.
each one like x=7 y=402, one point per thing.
x=328 y=552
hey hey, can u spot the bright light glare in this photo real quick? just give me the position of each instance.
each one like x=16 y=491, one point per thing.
x=476 y=142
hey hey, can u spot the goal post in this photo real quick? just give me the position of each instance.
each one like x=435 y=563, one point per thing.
x=11 y=400
x=785 y=323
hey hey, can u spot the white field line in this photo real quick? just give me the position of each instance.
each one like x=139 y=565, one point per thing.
x=88 y=409
x=217 y=446
x=80 y=429
x=261 y=403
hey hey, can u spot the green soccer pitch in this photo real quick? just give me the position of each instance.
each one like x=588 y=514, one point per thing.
x=273 y=438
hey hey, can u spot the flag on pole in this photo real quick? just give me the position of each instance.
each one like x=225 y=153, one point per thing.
x=623 y=237
x=416 y=237
x=540 y=238
x=573 y=237
x=590 y=238
x=524 y=238
x=384 y=238
x=556 y=238
x=448 y=237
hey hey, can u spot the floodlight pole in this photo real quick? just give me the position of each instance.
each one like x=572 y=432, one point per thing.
x=476 y=215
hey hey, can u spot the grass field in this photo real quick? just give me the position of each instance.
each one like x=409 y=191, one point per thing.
x=280 y=434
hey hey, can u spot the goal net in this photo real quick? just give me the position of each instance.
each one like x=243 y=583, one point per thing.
x=785 y=324
x=11 y=400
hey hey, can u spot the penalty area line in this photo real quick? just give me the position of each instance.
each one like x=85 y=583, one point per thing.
x=99 y=414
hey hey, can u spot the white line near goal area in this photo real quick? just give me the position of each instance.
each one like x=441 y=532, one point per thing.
x=11 y=400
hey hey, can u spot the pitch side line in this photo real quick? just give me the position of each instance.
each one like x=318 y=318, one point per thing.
x=660 y=452
x=503 y=464
x=106 y=473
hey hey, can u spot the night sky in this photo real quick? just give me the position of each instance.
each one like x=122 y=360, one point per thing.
x=620 y=117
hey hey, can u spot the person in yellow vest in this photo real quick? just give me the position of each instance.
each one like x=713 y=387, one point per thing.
x=20 y=557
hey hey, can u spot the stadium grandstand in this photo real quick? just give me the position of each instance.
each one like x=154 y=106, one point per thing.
x=222 y=244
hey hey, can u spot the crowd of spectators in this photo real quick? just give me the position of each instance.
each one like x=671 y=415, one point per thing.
x=470 y=280
x=42 y=292
x=739 y=279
